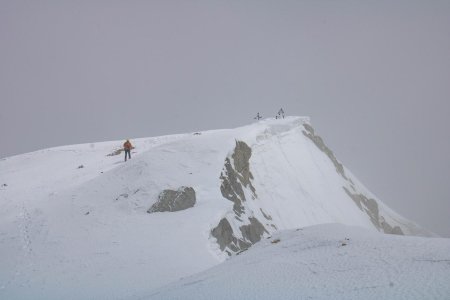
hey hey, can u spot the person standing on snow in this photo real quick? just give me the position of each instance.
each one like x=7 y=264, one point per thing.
x=127 y=148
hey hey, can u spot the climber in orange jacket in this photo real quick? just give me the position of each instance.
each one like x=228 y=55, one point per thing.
x=127 y=148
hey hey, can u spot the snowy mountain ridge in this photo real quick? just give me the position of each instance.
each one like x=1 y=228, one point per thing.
x=78 y=222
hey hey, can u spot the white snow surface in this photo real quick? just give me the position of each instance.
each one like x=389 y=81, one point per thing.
x=84 y=233
x=328 y=261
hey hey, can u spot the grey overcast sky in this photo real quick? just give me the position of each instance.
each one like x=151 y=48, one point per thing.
x=374 y=76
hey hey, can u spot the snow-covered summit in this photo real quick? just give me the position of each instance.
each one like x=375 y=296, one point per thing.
x=78 y=222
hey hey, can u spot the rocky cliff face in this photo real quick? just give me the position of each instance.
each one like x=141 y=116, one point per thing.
x=239 y=229
x=249 y=220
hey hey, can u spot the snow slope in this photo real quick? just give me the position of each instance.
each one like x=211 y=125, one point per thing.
x=84 y=233
x=330 y=261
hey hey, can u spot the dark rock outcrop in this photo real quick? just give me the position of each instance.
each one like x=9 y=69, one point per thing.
x=389 y=229
x=321 y=145
x=170 y=200
x=370 y=207
x=253 y=231
x=241 y=158
x=236 y=180
x=236 y=176
x=231 y=188
x=227 y=240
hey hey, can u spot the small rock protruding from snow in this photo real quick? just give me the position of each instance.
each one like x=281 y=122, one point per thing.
x=170 y=200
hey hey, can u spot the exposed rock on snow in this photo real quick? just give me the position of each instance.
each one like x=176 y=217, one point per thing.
x=364 y=203
x=115 y=152
x=253 y=231
x=170 y=200
x=321 y=145
x=236 y=179
x=227 y=241
x=231 y=188
x=370 y=206
x=241 y=156
x=237 y=176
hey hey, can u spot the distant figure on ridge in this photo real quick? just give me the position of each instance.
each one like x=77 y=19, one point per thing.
x=127 y=148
